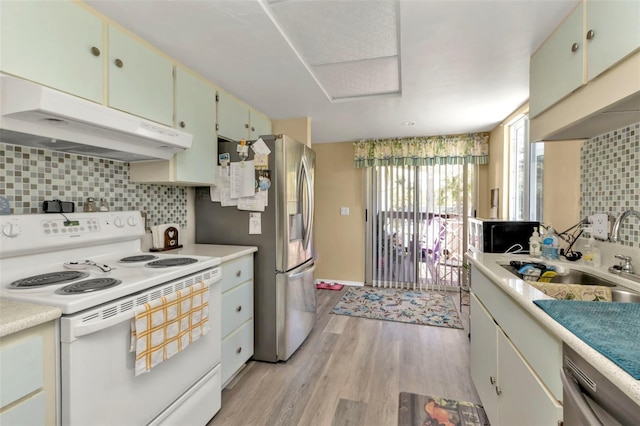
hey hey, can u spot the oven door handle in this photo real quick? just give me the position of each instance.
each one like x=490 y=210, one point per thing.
x=573 y=393
x=80 y=330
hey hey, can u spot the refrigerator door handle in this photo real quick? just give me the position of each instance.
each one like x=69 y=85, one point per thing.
x=306 y=176
x=306 y=270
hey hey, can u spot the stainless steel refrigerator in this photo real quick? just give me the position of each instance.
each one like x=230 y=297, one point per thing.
x=284 y=290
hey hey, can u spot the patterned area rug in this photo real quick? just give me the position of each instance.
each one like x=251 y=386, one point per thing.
x=411 y=306
x=420 y=410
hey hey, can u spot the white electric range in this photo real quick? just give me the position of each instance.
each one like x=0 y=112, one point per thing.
x=90 y=265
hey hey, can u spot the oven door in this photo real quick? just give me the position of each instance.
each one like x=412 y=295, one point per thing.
x=97 y=366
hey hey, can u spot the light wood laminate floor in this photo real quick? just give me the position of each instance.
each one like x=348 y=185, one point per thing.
x=350 y=371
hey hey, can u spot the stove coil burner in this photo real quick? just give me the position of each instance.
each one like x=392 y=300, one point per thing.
x=168 y=263
x=48 y=279
x=88 y=286
x=139 y=258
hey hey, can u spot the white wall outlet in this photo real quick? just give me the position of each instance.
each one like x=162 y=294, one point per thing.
x=600 y=224
x=344 y=211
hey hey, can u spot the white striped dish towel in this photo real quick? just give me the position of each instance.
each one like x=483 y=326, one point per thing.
x=167 y=325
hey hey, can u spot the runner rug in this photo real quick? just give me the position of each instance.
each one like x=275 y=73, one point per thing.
x=420 y=410
x=410 y=306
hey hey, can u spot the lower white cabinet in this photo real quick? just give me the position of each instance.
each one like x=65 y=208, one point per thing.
x=512 y=391
x=484 y=357
x=237 y=315
x=27 y=371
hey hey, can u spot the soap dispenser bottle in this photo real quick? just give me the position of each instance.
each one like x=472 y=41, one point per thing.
x=535 y=243
x=591 y=252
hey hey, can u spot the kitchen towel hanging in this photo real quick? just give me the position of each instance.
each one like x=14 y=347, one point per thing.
x=165 y=326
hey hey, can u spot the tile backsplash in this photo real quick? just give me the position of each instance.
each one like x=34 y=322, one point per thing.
x=610 y=178
x=28 y=176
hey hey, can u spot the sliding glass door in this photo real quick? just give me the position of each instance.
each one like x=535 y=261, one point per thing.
x=416 y=225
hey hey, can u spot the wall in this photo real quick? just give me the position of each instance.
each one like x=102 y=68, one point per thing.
x=561 y=199
x=339 y=240
x=29 y=176
x=610 y=178
x=297 y=128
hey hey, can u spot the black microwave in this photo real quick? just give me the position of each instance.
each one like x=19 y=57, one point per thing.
x=500 y=236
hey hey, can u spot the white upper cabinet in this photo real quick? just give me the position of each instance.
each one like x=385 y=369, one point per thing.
x=238 y=121
x=195 y=114
x=57 y=44
x=140 y=80
x=612 y=33
x=595 y=36
x=259 y=124
x=556 y=68
x=233 y=117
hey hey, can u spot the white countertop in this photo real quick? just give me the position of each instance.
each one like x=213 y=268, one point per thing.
x=17 y=316
x=524 y=294
x=224 y=252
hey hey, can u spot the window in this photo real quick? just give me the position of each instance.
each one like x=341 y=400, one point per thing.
x=525 y=173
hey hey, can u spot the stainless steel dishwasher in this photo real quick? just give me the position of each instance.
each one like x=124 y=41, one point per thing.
x=589 y=398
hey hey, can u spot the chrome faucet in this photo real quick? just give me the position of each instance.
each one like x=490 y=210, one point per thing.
x=615 y=231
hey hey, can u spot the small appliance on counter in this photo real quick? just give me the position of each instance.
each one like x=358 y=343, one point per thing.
x=500 y=236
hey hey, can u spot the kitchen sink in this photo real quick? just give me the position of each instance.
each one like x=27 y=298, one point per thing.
x=621 y=294
x=574 y=276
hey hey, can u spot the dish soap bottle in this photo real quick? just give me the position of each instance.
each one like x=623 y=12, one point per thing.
x=591 y=252
x=535 y=243
x=550 y=244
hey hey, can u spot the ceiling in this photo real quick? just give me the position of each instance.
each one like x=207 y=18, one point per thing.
x=459 y=66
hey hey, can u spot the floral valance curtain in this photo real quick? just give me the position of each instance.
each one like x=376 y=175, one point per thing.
x=471 y=148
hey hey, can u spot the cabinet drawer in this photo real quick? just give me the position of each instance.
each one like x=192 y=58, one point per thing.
x=237 y=307
x=28 y=412
x=21 y=369
x=541 y=349
x=237 y=348
x=236 y=272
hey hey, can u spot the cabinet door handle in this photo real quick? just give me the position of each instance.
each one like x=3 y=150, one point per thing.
x=119 y=63
x=239 y=308
x=574 y=47
x=95 y=51
x=238 y=273
x=253 y=129
x=239 y=350
x=492 y=380
x=590 y=34
x=183 y=124
x=498 y=390
x=246 y=126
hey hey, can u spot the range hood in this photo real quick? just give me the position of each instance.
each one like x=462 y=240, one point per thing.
x=36 y=116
